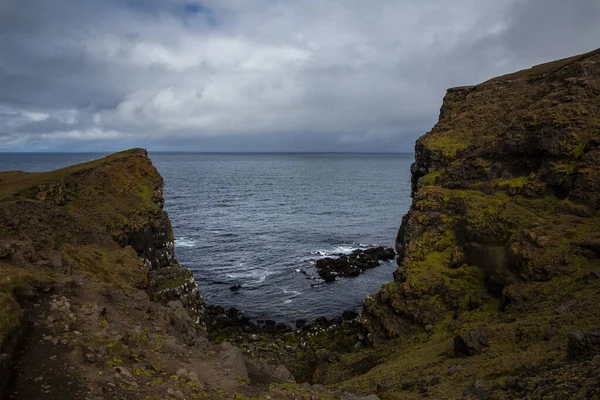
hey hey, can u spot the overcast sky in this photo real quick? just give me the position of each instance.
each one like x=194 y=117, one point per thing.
x=260 y=75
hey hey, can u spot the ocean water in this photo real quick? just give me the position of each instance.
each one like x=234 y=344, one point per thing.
x=262 y=220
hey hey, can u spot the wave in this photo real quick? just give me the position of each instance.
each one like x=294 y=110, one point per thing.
x=185 y=241
x=258 y=275
x=343 y=249
x=292 y=292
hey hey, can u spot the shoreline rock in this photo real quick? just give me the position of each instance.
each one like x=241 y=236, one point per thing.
x=353 y=264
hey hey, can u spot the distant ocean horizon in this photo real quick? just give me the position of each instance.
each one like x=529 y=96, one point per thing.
x=261 y=220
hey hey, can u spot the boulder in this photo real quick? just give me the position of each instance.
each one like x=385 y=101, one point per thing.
x=583 y=345
x=263 y=373
x=232 y=360
x=471 y=342
x=353 y=264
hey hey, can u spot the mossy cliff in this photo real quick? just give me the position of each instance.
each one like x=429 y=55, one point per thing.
x=499 y=255
x=103 y=218
x=93 y=303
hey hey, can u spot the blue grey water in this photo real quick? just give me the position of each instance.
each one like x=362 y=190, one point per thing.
x=261 y=220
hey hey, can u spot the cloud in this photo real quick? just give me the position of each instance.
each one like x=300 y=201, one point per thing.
x=263 y=74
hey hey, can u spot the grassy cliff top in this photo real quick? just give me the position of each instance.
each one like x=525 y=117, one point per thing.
x=13 y=182
x=74 y=221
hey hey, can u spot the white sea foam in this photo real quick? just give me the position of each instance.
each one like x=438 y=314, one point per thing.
x=185 y=241
x=287 y=301
x=258 y=275
x=292 y=292
x=334 y=251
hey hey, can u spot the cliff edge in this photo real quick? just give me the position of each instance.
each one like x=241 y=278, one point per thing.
x=93 y=303
x=499 y=255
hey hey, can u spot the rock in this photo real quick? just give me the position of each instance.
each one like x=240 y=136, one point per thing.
x=595 y=275
x=300 y=323
x=54 y=341
x=182 y=373
x=455 y=369
x=235 y=287
x=178 y=394
x=53 y=358
x=470 y=343
x=476 y=390
x=55 y=258
x=542 y=241
x=582 y=346
x=193 y=377
x=263 y=373
x=124 y=372
x=369 y=397
x=352 y=264
x=428 y=328
x=90 y=357
x=562 y=309
x=232 y=359
x=349 y=315
x=550 y=332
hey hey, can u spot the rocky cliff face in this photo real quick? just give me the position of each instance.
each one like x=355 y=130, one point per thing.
x=499 y=255
x=93 y=303
x=67 y=220
x=506 y=192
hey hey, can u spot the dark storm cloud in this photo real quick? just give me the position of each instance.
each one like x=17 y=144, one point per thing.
x=260 y=75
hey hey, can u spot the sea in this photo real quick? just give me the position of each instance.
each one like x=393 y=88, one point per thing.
x=262 y=220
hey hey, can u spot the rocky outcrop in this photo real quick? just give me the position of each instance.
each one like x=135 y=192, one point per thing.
x=102 y=220
x=93 y=303
x=353 y=264
x=506 y=191
x=470 y=343
x=498 y=254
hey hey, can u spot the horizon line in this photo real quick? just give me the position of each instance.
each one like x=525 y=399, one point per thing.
x=209 y=152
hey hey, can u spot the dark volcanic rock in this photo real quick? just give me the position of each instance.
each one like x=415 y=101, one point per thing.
x=583 y=345
x=354 y=263
x=470 y=343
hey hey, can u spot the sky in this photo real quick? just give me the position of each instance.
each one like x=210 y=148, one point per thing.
x=260 y=75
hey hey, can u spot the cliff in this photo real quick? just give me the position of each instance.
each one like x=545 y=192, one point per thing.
x=86 y=220
x=499 y=255
x=93 y=303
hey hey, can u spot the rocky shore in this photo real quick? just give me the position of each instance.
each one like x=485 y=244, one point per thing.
x=94 y=304
x=495 y=296
x=353 y=264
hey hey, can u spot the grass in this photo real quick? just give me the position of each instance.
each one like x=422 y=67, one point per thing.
x=15 y=280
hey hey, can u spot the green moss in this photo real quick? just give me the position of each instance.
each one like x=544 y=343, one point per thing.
x=10 y=314
x=429 y=179
x=115 y=266
x=578 y=151
x=445 y=144
x=516 y=183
